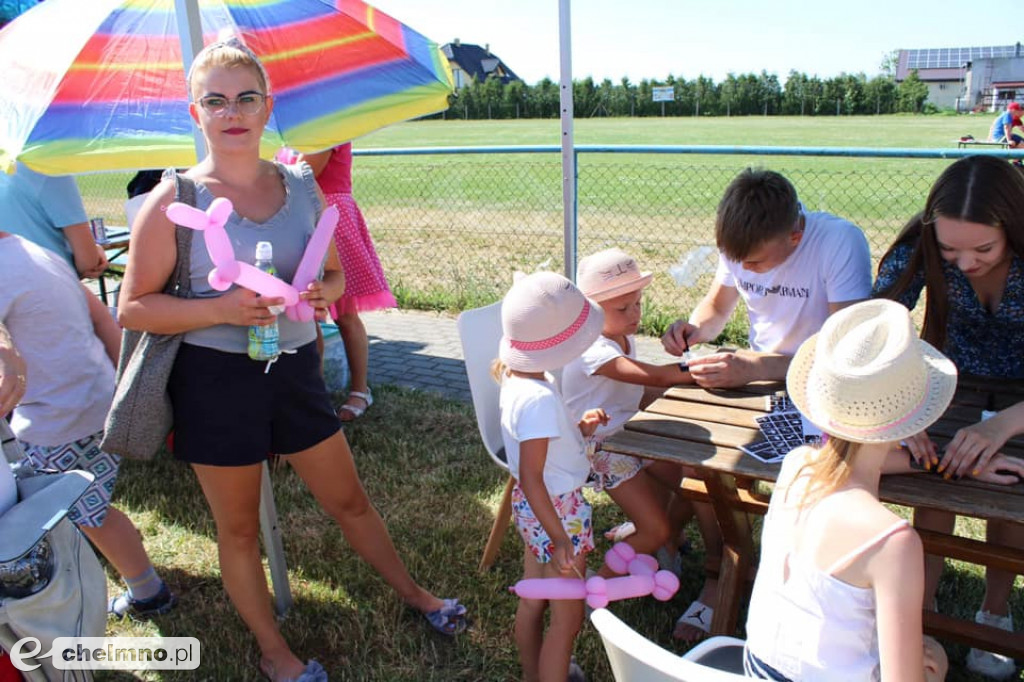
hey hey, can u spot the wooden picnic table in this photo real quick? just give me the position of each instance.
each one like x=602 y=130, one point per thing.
x=705 y=429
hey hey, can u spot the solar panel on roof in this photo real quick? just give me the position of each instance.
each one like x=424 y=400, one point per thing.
x=954 y=57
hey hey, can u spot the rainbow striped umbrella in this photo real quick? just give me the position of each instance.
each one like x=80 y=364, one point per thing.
x=98 y=85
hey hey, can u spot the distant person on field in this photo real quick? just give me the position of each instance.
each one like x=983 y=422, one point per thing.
x=48 y=210
x=1002 y=127
x=792 y=268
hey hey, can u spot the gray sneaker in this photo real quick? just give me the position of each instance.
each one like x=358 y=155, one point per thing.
x=987 y=663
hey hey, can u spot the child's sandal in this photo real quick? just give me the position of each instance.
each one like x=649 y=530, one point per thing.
x=354 y=412
x=450 y=619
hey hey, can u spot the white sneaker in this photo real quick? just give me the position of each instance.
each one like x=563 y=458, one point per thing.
x=990 y=664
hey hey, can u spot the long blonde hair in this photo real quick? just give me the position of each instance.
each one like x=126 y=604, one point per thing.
x=498 y=370
x=827 y=469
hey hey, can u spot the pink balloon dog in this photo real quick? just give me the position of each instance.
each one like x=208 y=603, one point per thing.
x=228 y=271
x=644 y=579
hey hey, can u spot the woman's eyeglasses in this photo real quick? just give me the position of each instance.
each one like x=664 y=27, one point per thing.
x=246 y=104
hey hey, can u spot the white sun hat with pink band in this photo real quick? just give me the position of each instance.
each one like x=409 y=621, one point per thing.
x=610 y=273
x=867 y=377
x=546 y=323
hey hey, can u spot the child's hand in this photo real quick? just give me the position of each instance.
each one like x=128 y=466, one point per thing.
x=591 y=420
x=562 y=555
x=923 y=450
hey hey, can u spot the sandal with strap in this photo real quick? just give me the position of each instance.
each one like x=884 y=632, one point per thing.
x=355 y=410
x=450 y=619
x=313 y=672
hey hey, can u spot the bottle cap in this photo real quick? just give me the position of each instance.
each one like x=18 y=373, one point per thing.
x=264 y=251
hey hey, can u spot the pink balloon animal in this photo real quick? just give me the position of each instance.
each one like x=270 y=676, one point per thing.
x=228 y=271
x=644 y=579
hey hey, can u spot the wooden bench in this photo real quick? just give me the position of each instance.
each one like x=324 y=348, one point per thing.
x=963 y=144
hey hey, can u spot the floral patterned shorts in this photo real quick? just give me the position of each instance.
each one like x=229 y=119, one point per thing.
x=609 y=469
x=572 y=509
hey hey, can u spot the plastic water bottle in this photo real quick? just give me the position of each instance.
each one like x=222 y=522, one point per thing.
x=263 y=340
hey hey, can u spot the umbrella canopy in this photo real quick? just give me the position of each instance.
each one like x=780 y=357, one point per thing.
x=12 y=8
x=100 y=84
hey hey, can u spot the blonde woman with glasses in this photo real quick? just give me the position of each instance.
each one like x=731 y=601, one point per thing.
x=230 y=411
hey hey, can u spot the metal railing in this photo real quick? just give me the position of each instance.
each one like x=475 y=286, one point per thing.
x=452 y=224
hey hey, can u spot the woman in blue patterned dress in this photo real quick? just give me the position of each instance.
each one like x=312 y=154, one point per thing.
x=967 y=250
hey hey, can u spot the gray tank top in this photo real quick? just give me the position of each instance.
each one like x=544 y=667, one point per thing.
x=288 y=230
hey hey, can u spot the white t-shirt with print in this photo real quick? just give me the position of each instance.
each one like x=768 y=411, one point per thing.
x=530 y=409
x=788 y=304
x=585 y=390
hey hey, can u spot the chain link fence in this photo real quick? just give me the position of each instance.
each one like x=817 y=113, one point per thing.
x=451 y=228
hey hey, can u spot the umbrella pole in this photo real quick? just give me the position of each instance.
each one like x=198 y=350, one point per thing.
x=569 y=212
x=190 y=35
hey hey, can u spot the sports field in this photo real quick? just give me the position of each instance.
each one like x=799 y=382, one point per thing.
x=451 y=229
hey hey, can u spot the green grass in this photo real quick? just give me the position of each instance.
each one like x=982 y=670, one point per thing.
x=451 y=231
x=422 y=463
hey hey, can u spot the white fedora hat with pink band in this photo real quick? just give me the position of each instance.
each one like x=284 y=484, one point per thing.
x=546 y=323
x=867 y=377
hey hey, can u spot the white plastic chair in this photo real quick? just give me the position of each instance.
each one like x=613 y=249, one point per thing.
x=720 y=652
x=634 y=658
x=480 y=333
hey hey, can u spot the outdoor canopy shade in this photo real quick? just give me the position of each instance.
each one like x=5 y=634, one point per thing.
x=96 y=85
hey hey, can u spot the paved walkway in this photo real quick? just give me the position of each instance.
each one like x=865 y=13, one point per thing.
x=421 y=350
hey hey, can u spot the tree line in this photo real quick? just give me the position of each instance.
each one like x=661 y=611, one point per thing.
x=738 y=95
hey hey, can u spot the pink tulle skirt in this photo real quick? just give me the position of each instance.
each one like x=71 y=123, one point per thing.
x=365 y=285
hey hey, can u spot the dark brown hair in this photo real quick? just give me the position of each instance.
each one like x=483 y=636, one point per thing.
x=976 y=189
x=758 y=205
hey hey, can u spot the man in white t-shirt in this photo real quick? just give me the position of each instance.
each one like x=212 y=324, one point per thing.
x=791 y=268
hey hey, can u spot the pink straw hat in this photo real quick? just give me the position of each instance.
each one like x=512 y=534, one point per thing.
x=610 y=273
x=546 y=323
x=867 y=378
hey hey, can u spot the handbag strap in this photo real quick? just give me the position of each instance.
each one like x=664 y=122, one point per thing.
x=180 y=283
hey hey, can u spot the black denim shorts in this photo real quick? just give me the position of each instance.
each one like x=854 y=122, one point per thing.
x=229 y=411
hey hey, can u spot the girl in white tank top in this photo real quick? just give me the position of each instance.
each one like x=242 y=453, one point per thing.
x=839 y=588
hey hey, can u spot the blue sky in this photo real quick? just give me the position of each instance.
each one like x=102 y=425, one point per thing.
x=652 y=38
